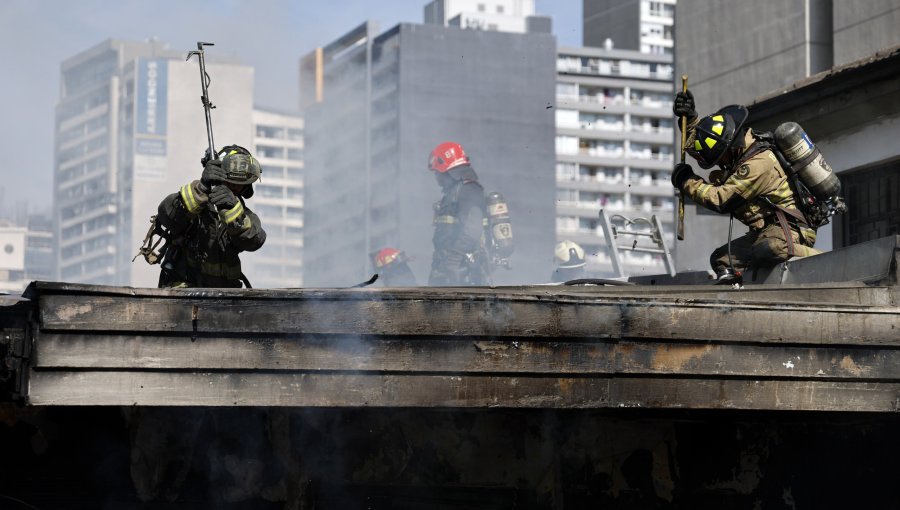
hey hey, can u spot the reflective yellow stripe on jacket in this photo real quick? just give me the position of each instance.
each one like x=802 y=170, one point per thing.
x=190 y=200
x=231 y=215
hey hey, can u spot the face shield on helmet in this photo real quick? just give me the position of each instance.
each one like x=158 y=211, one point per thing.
x=240 y=167
x=714 y=134
x=446 y=156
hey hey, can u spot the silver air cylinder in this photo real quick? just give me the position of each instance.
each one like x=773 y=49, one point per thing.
x=807 y=162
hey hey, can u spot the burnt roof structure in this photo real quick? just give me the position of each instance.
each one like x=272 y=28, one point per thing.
x=824 y=336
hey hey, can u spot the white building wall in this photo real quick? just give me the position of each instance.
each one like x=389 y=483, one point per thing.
x=12 y=259
x=231 y=91
x=278 y=200
x=499 y=15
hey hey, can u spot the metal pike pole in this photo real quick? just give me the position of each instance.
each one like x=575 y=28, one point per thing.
x=204 y=98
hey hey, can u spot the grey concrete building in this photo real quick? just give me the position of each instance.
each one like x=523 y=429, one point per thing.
x=614 y=152
x=640 y=25
x=375 y=105
x=735 y=51
x=852 y=114
x=860 y=28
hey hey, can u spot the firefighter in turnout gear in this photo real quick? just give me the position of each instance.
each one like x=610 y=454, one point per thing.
x=460 y=218
x=392 y=268
x=749 y=184
x=570 y=262
x=208 y=224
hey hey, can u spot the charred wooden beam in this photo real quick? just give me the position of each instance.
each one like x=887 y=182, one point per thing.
x=812 y=347
x=802 y=346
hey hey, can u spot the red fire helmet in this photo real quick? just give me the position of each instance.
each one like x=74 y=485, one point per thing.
x=387 y=256
x=446 y=156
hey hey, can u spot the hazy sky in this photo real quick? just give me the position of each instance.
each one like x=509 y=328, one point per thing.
x=270 y=35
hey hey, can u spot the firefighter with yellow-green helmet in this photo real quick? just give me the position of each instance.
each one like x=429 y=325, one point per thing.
x=750 y=184
x=208 y=224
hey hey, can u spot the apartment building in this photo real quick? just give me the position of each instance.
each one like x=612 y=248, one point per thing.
x=278 y=200
x=376 y=104
x=614 y=132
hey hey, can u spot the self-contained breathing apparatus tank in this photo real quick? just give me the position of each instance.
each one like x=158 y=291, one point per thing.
x=805 y=162
x=500 y=229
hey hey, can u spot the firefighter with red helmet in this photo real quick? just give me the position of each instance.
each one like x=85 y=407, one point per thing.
x=392 y=268
x=460 y=257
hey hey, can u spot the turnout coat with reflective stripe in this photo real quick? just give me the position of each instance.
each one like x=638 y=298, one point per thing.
x=747 y=190
x=203 y=247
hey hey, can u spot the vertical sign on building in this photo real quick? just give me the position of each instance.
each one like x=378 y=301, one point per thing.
x=150 y=120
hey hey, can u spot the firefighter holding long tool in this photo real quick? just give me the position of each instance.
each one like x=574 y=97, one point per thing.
x=755 y=183
x=206 y=224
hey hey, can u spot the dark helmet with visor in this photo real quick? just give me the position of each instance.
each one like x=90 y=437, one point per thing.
x=715 y=133
x=239 y=165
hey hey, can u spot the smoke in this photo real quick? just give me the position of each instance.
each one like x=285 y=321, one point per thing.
x=36 y=36
x=270 y=35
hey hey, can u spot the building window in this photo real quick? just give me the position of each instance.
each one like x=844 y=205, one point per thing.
x=480 y=7
x=266 y=151
x=566 y=171
x=269 y=132
x=873 y=203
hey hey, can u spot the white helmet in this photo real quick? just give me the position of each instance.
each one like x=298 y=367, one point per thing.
x=569 y=255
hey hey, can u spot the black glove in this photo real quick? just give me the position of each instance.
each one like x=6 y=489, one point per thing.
x=681 y=173
x=684 y=105
x=213 y=174
x=222 y=198
x=206 y=157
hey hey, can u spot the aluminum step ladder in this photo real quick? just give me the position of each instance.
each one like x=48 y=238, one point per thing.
x=612 y=233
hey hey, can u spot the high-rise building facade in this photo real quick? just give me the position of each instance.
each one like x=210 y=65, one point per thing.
x=375 y=105
x=278 y=200
x=129 y=131
x=614 y=132
x=647 y=26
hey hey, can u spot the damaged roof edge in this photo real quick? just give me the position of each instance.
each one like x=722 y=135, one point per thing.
x=881 y=64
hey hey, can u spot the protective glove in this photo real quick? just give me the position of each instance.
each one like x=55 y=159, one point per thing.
x=684 y=106
x=213 y=174
x=223 y=198
x=206 y=157
x=681 y=173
